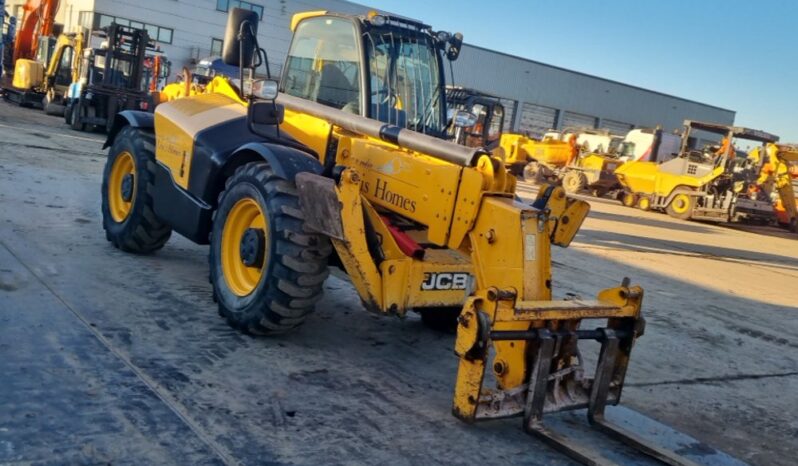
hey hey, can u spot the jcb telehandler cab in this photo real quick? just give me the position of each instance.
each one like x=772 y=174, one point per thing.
x=338 y=170
x=488 y=117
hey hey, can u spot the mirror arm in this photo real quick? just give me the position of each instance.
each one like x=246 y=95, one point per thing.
x=241 y=57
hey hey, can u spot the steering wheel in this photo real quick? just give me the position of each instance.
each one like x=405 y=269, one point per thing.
x=389 y=97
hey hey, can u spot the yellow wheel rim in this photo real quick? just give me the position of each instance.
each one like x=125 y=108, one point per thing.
x=644 y=203
x=572 y=182
x=122 y=186
x=680 y=203
x=246 y=214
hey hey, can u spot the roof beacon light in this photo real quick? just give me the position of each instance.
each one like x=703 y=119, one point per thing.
x=378 y=20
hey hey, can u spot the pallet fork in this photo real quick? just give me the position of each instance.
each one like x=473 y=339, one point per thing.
x=556 y=377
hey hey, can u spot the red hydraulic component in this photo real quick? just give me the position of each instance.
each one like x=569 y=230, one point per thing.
x=407 y=244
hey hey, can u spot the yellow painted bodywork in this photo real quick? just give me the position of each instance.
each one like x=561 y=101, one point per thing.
x=775 y=176
x=304 y=15
x=519 y=149
x=64 y=42
x=178 y=90
x=647 y=178
x=28 y=74
x=177 y=124
x=598 y=163
x=466 y=218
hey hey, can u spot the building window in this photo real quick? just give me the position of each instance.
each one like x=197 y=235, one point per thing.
x=225 y=5
x=156 y=33
x=216 y=47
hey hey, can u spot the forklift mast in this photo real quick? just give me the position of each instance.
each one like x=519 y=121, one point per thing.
x=125 y=54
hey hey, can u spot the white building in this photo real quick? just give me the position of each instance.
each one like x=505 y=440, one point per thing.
x=537 y=96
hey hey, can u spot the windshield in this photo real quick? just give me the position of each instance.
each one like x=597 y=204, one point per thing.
x=404 y=78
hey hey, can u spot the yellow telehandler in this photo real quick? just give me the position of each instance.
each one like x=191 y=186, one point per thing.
x=345 y=166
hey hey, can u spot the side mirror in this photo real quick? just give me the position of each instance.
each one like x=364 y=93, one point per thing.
x=463 y=119
x=455 y=44
x=265 y=113
x=241 y=52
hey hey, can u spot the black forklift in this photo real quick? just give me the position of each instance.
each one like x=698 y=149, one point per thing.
x=111 y=79
x=487 y=110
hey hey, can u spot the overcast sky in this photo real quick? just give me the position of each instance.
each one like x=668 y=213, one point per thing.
x=741 y=55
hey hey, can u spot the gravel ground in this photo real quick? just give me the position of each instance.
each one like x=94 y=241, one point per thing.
x=113 y=358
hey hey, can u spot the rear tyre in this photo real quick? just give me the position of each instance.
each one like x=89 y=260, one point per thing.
x=532 y=172
x=574 y=181
x=644 y=203
x=129 y=220
x=681 y=206
x=441 y=319
x=629 y=199
x=267 y=272
x=75 y=121
x=68 y=113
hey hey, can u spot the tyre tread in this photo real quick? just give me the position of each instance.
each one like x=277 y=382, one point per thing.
x=299 y=262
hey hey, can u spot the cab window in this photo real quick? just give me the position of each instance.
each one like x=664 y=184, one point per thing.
x=475 y=133
x=496 y=122
x=63 y=74
x=322 y=64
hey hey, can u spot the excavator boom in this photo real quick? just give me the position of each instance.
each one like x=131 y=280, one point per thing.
x=38 y=22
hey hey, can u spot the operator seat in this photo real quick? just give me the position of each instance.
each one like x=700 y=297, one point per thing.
x=335 y=90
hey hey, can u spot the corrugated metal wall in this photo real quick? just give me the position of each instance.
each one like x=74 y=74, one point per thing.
x=617 y=127
x=535 y=86
x=578 y=120
x=534 y=83
x=509 y=114
x=537 y=119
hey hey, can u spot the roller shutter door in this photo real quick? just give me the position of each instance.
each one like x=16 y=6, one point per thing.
x=616 y=127
x=578 y=120
x=537 y=119
x=509 y=114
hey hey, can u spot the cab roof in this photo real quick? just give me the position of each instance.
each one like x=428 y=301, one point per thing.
x=737 y=131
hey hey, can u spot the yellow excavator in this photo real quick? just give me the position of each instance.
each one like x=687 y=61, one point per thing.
x=345 y=167
x=43 y=82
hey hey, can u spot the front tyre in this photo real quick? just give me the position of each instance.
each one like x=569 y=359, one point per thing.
x=629 y=199
x=267 y=272
x=681 y=206
x=129 y=219
x=574 y=181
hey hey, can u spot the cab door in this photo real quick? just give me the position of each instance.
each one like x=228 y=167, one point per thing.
x=323 y=65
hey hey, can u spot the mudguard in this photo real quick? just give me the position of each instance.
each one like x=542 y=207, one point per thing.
x=134 y=118
x=190 y=212
x=285 y=161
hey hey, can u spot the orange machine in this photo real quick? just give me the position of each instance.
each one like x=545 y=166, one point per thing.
x=37 y=22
